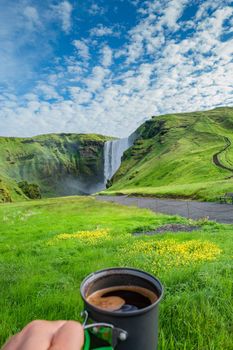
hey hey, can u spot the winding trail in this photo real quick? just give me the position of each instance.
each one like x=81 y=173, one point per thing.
x=216 y=159
x=222 y=213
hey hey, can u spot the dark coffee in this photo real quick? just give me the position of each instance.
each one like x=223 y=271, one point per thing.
x=122 y=298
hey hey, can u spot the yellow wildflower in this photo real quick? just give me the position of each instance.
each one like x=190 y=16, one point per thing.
x=89 y=237
x=170 y=253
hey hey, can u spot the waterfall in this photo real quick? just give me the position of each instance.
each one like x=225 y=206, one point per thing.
x=113 y=152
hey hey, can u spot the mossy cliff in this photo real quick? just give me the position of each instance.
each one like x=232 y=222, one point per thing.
x=50 y=165
x=186 y=155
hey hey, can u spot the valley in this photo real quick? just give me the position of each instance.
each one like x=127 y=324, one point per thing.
x=183 y=156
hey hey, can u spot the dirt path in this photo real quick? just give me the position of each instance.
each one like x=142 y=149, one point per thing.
x=216 y=159
x=217 y=212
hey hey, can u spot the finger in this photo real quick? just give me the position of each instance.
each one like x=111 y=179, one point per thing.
x=70 y=337
x=11 y=343
x=36 y=335
x=39 y=334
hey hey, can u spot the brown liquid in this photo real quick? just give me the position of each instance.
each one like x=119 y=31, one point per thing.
x=122 y=298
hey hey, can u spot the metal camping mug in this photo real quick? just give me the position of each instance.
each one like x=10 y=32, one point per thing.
x=131 y=330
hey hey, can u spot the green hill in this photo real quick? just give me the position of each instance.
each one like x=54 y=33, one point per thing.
x=50 y=165
x=180 y=155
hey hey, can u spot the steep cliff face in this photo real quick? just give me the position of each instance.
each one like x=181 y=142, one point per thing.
x=63 y=164
x=180 y=155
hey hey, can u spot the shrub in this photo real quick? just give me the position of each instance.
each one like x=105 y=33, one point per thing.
x=32 y=191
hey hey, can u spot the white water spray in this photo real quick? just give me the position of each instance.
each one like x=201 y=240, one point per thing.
x=113 y=152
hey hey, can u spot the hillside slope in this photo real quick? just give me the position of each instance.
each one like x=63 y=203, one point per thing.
x=180 y=155
x=60 y=164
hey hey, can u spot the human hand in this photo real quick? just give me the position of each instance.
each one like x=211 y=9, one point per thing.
x=48 y=335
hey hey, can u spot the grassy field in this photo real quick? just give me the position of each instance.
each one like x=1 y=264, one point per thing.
x=173 y=157
x=204 y=191
x=47 y=247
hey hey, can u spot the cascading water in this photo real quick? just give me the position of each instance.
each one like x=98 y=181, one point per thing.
x=113 y=152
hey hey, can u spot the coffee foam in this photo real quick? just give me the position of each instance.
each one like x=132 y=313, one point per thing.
x=114 y=303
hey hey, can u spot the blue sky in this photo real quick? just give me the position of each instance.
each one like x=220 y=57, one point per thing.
x=106 y=66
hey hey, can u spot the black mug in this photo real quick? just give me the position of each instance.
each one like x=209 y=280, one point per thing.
x=132 y=329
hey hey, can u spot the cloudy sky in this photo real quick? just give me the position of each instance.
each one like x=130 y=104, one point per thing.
x=104 y=66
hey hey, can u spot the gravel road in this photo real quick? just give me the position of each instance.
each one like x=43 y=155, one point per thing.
x=190 y=209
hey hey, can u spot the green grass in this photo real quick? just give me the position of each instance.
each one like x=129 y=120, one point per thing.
x=204 y=191
x=40 y=274
x=173 y=157
x=54 y=162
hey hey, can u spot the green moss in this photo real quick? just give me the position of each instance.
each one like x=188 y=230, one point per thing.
x=53 y=162
x=173 y=156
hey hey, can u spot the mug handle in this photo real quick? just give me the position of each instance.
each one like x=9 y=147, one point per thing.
x=117 y=333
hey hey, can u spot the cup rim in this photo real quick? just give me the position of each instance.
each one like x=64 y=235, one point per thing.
x=136 y=272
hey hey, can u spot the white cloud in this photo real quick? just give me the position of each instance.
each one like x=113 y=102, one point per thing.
x=82 y=49
x=96 y=80
x=64 y=11
x=47 y=91
x=173 y=12
x=106 y=56
x=31 y=14
x=155 y=72
x=95 y=9
x=101 y=30
x=23 y=42
x=80 y=96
